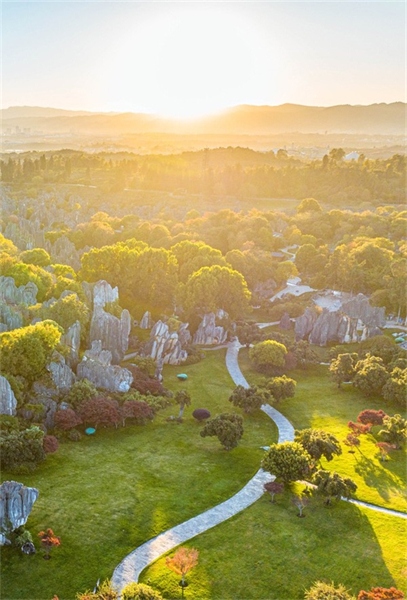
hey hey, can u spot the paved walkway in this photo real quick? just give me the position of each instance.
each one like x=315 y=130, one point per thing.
x=134 y=563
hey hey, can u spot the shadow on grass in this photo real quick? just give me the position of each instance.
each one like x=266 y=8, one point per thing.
x=268 y=541
x=376 y=477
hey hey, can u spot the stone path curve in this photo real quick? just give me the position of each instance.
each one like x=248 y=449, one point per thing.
x=134 y=563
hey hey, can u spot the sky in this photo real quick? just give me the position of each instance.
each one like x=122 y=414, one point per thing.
x=186 y=59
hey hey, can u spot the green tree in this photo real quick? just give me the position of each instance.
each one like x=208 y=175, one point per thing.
x=104 y=591
x=36 y=256
x=287 y=461
x=249 y=399
x=192 y=256
x=342 y=368
x=183 y=398
x=281 y=387
x=228 y=428
x=394 y=430
x=318 y=443
x=268 y=356
x=395 y=388
x=371 y=375
x=330 y=485
x=213 y=288
x=66 y=311
x=26 y=351
x=309 y=205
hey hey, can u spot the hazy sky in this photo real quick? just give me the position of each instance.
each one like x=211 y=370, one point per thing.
x=188 y=58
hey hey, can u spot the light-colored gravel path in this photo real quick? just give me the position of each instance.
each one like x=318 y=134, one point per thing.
x=134 y=563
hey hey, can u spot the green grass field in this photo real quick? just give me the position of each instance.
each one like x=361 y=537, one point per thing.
x=109 y=493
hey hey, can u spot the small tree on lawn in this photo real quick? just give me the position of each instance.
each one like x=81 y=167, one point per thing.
x=48 y=540
x=182 y=562
x=268 y=356
x=359 y=428
x=287 y=461
x=281 y=387
x=228 y=428
x=249 y=399
x=182 y=398
x=342 y=368
x=385 y=448
x=327 y=591
x=300 y=501
x=331 y=485
x=371 y=417
x=352 y=441
x=318 y=443
x=394 y=430
x=381 y=593
x=273 y=488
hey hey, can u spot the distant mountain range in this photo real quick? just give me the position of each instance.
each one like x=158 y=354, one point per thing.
x=375 y=119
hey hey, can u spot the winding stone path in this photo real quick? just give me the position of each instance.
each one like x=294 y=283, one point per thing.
x=134 y=563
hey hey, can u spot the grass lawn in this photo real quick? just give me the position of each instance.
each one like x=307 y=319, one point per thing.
x=320 y=404
x=268 y=553
x=109 y=493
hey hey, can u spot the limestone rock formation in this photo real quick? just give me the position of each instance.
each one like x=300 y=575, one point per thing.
x=10 y=317
x=360 y=308
x=96 y=366
x=350 y=321
x=61 y=374
x=16 y=502
x=11 y=294
x=63 y=251
x=285 y=322
x=111 y=331
x=8 y=402
x=166 y=346
x=208 y=333
x=305 y=323
x=104 y=293
x=72 y=339
x=146 y=321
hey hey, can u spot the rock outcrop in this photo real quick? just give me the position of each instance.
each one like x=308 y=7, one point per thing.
x=11 y=294
x=112 y=331
x=350 y=321
x=72 y=340
x=167 y=346
x=16 y=502
x=96 y=366
x=146 y=321
x=285 y=322
x=61 y=374
x=8 y=402
x=208 y=333
x=10 y=318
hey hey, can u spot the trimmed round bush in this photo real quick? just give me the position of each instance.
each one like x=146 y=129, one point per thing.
x=200 y=414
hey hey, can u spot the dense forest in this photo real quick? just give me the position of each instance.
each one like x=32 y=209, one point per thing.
x=235 y=172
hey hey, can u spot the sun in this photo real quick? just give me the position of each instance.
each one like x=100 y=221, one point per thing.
x=187 y=62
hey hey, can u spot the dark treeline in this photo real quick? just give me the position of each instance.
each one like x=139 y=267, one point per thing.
x=220 y=172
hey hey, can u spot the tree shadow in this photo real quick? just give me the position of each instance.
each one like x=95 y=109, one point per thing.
x=376 y=477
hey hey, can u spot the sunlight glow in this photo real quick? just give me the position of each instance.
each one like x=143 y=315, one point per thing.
x=188 y=63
